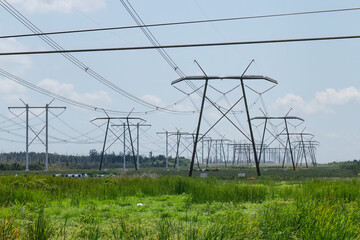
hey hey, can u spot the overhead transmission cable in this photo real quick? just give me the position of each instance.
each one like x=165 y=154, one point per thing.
x=181 y=23
x=130 y=9
x=152 y=141
x=10 y=140
x=36 y=132
x=63 y=98
x=85 y=135
x=9 y=8
x=10 y=131
x=135 y=16
x=192 y=45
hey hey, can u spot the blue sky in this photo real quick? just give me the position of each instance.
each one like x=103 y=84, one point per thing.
x=318 y=80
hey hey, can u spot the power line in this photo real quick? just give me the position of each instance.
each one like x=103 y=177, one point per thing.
x=49 y=93
x=85 y=135
x=180 y=23
x=135 y=16
x=21 y=18
x=59 y=140
x=71 y=101
x=10 y=140
x=193 y=45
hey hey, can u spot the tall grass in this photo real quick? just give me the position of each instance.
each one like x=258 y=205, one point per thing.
x=313 y=209
x=123 y=229
x=8 y=228
x=39 y=228
x=44 y=189
x=308 y=220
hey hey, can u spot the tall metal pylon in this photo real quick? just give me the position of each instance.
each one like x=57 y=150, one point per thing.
x=241 y=78
x=178 y=135
x=137 y=125
x=46 y=144
x=125 y=123
x=286 y=118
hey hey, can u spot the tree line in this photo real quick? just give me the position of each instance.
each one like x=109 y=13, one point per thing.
x=16 y=160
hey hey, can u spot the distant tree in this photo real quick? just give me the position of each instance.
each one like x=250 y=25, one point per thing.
x=94 y=155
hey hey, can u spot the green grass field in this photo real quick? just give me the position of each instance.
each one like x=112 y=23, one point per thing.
x=315 y=203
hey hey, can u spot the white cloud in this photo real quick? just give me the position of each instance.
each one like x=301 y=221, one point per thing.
x=64 y=6
x=153 y=100
x=322 y=101
x=299 y=104
x=9 y=87
x=19 y=63
x=333 y=97
x=181 y=107
x=11 y=91
x=68 y=90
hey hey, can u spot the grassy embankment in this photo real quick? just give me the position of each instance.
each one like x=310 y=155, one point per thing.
x=280 y=205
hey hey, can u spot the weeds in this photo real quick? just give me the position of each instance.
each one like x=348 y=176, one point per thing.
x=39 y=228
x=90 y=232
x=126 y=230
x=8 y=228
x=178 y=208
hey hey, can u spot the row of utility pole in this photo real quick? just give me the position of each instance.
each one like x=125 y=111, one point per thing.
x=241 y=151
x=252 y=151
x=215 y=152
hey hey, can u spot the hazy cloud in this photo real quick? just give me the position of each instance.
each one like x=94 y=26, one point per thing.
x=8 y=87
x=68 y=90
x=181 y=107
x=322 y=101
x=332 y=97
x=14 y=62
x=153 y=100
x=11 y=91
x=64 y=6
